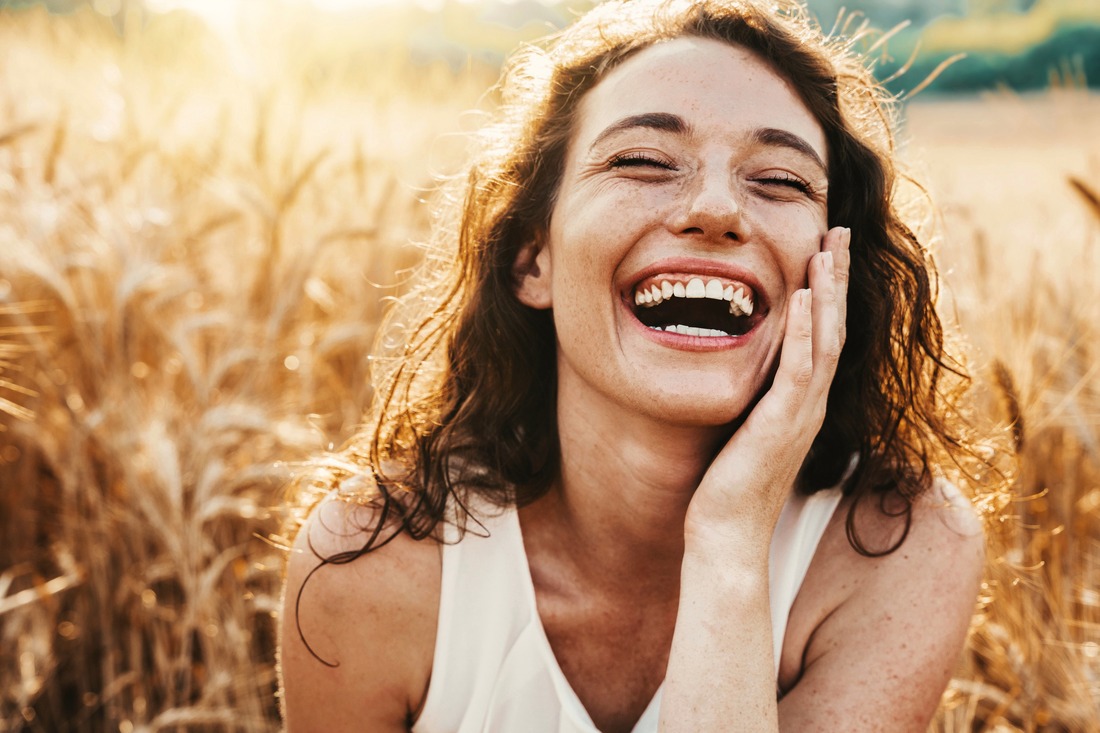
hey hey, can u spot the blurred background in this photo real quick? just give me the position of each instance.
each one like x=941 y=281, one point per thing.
x=205 y=204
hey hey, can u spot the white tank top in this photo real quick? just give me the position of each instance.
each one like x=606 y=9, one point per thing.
x=493 y=669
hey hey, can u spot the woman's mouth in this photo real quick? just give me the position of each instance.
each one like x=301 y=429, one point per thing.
x=696 y=305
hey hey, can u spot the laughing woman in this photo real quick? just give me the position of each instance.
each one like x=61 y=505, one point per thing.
x=666 y=453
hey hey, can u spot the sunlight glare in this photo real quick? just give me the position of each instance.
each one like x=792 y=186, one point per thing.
x=223 y=13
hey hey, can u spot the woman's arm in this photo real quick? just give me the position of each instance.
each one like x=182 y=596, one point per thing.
x=880 y=660
x=374 y=618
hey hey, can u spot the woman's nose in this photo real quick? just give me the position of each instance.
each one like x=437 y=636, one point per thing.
x=711 y=208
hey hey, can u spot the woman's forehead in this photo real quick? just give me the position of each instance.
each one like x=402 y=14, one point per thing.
x=713 y=85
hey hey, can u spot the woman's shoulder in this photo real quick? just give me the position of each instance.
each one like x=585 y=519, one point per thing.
x=357 y=548
x=357 y=631
x=902 y=541
x=890 y=624
x=947 y=503
x=940 y=530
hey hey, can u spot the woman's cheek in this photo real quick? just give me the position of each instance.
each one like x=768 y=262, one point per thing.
x=802 y=232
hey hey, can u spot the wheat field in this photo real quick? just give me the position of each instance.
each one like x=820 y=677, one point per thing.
x=196 y=247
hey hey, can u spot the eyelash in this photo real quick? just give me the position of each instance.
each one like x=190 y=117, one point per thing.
x=638 y=160
x=788 y=180
x=641 y=160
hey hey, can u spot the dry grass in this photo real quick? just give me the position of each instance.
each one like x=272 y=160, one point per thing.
x=1021 y=254
x=192 y=266
x=192 y=271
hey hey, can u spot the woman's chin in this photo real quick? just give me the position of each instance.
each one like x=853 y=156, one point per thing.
x=698 y=408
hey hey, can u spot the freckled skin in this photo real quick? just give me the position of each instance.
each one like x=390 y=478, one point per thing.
x=609 y=223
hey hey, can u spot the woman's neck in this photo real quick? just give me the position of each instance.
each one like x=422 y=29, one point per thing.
x=624 y=486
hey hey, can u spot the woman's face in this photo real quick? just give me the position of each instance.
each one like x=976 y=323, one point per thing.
x=692 y=198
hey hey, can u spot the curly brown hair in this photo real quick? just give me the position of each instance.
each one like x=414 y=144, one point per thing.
x=466 y=402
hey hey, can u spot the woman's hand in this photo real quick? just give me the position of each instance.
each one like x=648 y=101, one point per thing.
x=740 y=497
x=721 y=669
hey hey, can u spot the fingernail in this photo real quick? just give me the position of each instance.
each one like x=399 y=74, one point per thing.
x=846 y=237
x=804 y=294
x=827 y=261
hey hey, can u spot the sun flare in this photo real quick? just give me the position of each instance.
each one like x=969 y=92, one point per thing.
x=224 y=13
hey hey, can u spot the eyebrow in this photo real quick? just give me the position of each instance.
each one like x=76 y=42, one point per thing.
x=784 y=139
x=652 y=120
x=667 y=122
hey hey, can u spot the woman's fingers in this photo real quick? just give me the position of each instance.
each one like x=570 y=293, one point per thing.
x=838 y=241
x=796 y=360
x=814 y=335
x=828 y=276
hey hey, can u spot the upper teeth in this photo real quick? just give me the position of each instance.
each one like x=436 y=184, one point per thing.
x=739 y=298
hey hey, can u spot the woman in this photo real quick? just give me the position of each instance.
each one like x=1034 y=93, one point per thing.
x=634 y=471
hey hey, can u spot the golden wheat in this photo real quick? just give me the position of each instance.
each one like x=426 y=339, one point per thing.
x=210 y=298
x=1020 y=256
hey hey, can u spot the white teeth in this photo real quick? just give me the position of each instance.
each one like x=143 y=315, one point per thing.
x=691 y=331
x=739 y=298
x=741 y=304
x=745 y=301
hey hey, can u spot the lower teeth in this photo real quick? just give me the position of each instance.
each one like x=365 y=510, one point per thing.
x=691 y=331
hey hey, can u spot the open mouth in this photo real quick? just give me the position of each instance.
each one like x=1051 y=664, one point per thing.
x=694 y=305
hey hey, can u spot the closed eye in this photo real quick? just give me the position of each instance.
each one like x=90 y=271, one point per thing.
x=640 y=160
x=788 y=181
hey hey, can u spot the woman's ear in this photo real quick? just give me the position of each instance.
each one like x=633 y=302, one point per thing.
x=531 y=272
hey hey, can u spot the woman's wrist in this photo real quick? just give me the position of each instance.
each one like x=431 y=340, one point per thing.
x=721 y=666
x=744 y=541
x=724 y=558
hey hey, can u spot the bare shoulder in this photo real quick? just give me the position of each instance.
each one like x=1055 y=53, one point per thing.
x=944 y=514
x=884 y=634
x=356 y=633
x=942 y=532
